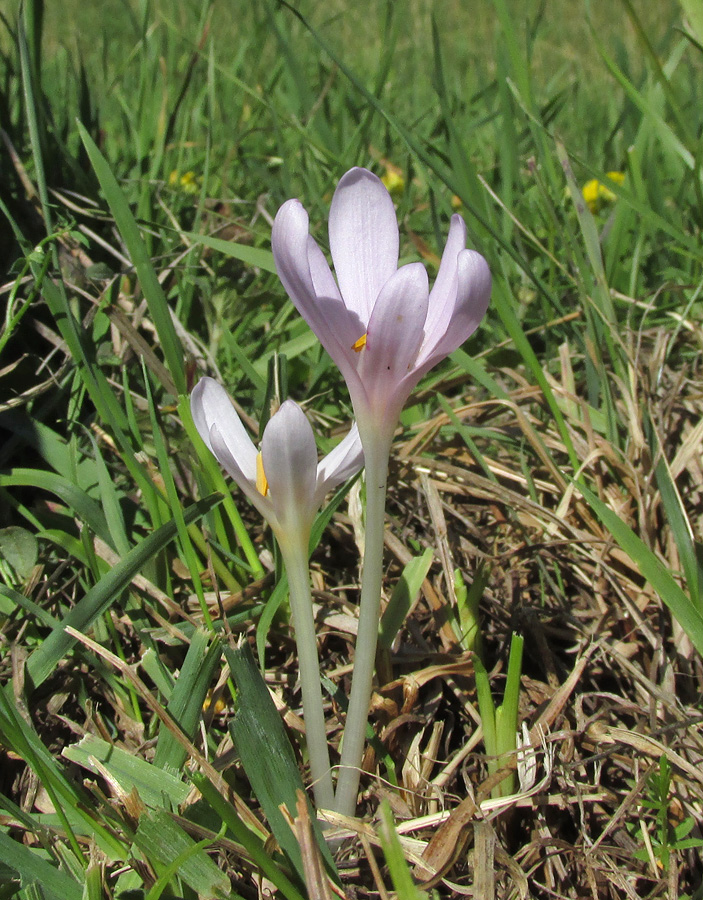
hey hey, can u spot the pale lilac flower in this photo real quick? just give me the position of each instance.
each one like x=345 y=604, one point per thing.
x=294 y=483
x=380 y=324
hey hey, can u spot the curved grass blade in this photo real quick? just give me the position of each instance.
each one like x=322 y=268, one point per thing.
x=256 y=257
x=80 y=504
x=153 y=292
x=656 y=573
x=186 y=701
x=161 y=839
x=128 y=770
x=266 y=753
x=253 y=845
x=32 y=868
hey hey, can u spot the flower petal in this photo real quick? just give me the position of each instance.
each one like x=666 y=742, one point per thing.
x=443 y=293
x=230 y=464
x=321 y=275
x=473 y=295
x=309 y=283
x=364 y=239
x=290 y=463
x=395 y=330
x=289 y=243
x=211 y=405
x=340 y=463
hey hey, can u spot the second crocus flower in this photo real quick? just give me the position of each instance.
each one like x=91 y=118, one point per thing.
x=287 y=484
x=284 y=481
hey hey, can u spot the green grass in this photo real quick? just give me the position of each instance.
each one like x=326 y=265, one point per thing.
x=144 y=157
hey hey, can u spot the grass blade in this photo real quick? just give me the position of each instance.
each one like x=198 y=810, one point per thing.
x=656 y=573
x=266 y=752
x=45 y=658
x=153 y=292
x=30 y=866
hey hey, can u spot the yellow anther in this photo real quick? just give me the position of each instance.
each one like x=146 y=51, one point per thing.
x=262 y=484
x=359 y=345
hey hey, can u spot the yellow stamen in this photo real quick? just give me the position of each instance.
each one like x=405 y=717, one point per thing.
x=359 y=345
x=262 y=484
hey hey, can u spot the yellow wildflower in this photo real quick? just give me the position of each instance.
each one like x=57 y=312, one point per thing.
x=596 y=194
x=393 y=179
x=189 y=182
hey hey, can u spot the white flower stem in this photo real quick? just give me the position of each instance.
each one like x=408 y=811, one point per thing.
x=295 y=557
x=376 y=453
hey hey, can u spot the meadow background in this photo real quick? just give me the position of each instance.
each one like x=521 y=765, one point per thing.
x=546 y=480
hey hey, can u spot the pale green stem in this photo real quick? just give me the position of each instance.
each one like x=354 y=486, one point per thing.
x=376 y=453
x=295 y=557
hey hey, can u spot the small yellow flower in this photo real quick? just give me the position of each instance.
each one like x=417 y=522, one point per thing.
x=456 y=202
x=219 y=706
x=189 y=182
x=596 y=194
x=393 y=179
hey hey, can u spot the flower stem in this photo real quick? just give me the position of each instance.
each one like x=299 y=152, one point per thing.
x=376 y=453
x=295 y=557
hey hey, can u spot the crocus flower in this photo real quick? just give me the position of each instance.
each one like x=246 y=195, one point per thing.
x=384 y=328
x=285 y=482
x=381 y=324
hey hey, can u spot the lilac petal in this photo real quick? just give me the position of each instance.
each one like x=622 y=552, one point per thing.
x=246 y=481
x=340 y=463
x=304 y=272
x=290 y=464
x=289 y=243
x=321 y=275
x=364 y=239
x=443 y=293
x=395 y=330
x=473 y=295
x=211 y=405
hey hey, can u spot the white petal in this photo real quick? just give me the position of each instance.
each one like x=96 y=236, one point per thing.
x=290 y=463
x=340 y=463
x=396 y=329
x=364 y=239
x=211 y=405
x=309 y=283
x=323 y=281
x=443 y=293
x=248 y=484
